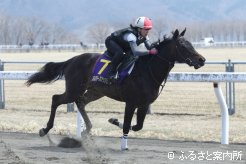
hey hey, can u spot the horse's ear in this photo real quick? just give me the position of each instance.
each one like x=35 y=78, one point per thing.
x=183 y=32
x=176 y=34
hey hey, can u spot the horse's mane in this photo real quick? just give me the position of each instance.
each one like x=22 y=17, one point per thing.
x=160 y=43
x=164 y=41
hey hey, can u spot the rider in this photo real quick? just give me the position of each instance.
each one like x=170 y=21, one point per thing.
x=127 y=41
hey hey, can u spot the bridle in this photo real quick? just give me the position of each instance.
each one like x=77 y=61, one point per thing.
x=187 y=60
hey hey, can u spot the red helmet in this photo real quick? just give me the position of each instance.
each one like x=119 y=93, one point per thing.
x=143 y=22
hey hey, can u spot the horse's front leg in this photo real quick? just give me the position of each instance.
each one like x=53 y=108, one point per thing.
x=141 y=113
x=129 y=111
x=82 y=101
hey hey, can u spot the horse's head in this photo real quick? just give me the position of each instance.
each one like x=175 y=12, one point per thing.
x=178 y=49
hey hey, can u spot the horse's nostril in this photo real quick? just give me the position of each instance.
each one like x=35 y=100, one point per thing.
x=188 y=61
x=202 y=60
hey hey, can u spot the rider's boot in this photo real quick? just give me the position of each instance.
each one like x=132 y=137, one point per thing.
x=112 y=72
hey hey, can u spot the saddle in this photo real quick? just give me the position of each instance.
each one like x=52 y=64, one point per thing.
x=102 y=65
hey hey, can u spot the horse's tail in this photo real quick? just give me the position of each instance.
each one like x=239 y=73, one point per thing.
x=49 y=73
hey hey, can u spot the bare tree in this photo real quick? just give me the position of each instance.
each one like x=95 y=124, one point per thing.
x=57 y=34
x=18 y=28
x=33 y=29
x=97 y=33
x=160 y=27
x=196 y=32
x=4 y=29
x=244 y=30
x=231 y=28
x=214 y=30
x=45 y=35
x=238 y=30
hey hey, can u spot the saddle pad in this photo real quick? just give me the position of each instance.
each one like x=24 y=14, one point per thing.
x=101 y=68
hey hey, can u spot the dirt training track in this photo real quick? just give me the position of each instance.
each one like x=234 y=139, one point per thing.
x=30 y=148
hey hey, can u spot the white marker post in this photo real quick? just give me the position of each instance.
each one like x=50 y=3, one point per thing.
x=80 y=124
x=224 y=114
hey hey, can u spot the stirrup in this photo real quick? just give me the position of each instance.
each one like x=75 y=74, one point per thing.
x=113 y=77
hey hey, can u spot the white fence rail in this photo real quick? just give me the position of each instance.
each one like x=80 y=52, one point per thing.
x=213 y=77
x=73 y=47
x=220 y=44
x=174 y=76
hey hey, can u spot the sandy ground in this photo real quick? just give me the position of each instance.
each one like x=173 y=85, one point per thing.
x=30 y=148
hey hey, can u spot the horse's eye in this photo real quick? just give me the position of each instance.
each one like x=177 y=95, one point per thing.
x=181 y=42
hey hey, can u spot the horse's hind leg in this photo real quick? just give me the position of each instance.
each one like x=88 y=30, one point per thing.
x=70 y=95
x=56 y=101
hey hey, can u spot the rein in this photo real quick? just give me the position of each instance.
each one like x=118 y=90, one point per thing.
x=170 y=66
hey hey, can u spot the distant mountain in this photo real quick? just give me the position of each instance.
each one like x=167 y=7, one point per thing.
x=76 y=15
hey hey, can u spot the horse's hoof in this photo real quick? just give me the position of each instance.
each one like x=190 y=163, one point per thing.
x=41 y=132
x=84 y=134
x=113 y=121
x=125 y=149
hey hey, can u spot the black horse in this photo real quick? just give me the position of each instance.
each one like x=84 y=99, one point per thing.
x=138 y=91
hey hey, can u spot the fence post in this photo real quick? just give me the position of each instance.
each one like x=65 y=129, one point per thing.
x=80 y=124
x=230 y=90
x=2 y=95
x=70 y=107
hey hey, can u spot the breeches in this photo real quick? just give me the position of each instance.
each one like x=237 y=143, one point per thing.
x=115 y=51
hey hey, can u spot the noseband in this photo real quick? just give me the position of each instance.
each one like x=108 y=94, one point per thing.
x=187 y=60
